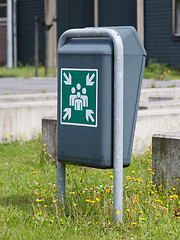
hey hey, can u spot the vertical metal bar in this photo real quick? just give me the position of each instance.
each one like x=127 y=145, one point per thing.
x=61 y=179
x=118 y=105
x=15 y=31
x=36 y=45
x=9 y=35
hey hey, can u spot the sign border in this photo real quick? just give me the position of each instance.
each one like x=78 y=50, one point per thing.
x=61 y=115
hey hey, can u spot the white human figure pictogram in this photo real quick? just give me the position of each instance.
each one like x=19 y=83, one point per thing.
x=78 y=102
x=84 y=98
x=72 y=97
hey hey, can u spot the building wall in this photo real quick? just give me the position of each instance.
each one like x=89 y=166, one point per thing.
x=3 y=45
x=74 y=14
x=117 y=13
x=80 y=13
x=159 y=41
x=26 y=11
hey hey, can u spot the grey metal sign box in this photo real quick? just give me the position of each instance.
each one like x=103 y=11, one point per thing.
x=85 y=98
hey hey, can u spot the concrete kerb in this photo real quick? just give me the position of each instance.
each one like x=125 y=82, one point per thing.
x=151 y=122
x=22 y=121
x=28 y=97
x=148 y=123
x=161 y=92
x=22 y=117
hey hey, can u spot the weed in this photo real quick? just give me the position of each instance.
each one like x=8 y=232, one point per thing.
x=29 y=208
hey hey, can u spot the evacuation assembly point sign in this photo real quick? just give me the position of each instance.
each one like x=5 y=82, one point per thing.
x=79 y=96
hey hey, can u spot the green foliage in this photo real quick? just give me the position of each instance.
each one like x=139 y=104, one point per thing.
x=24 y=71
x=29 y=208
x=158 y=71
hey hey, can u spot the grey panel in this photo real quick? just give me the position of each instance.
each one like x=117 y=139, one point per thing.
x=85 y=145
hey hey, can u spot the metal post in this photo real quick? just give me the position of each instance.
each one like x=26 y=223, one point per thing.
x=15 y=31
x=36 y=45
x=61 y=179
x=118 y=107
x=9 y=35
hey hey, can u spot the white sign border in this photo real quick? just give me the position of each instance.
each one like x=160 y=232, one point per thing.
x=61 y=111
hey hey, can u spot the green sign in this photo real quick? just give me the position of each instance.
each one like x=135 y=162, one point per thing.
x=79 y=96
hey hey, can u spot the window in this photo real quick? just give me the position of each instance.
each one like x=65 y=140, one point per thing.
x=176 y=18
x=2 y=11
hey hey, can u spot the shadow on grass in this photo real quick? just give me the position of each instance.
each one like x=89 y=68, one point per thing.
x=24 y=202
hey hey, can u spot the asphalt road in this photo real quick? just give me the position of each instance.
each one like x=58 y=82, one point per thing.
x=27 y=85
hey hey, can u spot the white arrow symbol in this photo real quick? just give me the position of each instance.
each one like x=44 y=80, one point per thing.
x=89 y=115
x=67 y=114
x=68 y=82
x=89 y=79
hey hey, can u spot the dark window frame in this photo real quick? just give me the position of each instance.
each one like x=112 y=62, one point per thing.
x=175 y=22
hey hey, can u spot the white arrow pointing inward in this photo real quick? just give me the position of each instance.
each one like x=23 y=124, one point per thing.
x=67 y=113
x=89 y=115
x=68 y=79
x=89 y=79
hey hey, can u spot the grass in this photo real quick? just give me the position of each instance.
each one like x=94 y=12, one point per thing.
x=24 y=72
x=154 y=70
x=158 y=71
x=29 y=209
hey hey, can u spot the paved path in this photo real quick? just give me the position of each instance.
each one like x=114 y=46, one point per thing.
x=27 y=85
x=49 y=85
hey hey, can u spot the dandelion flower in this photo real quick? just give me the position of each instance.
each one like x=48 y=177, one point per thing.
x=117 y=212
x=39 y=213
x=33 y=172
x=142 y=219
x=97 y=199
x=133 y=223
x=45 y=206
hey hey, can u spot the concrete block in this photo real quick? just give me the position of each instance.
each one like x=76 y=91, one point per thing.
x=49 y=135
x=151 y=122
x=166 y=159
x=22 y=121
x=148 y=123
